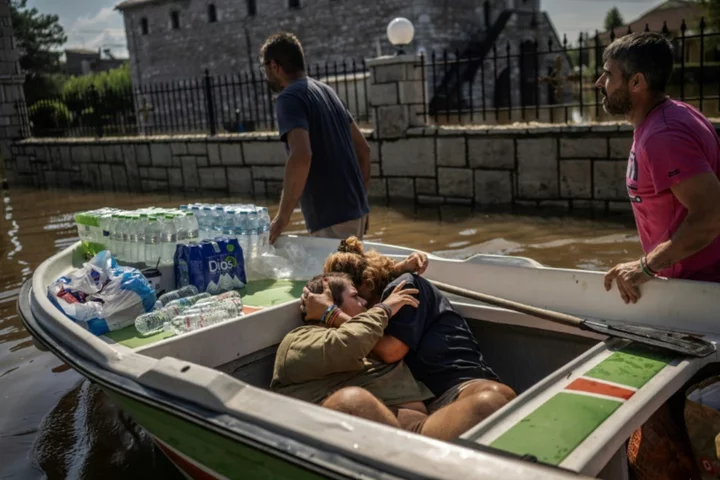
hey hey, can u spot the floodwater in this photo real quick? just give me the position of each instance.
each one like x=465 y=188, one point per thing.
x=53 y=424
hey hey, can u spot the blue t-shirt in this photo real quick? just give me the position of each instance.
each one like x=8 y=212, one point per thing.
x=443 y=352
x=335 y=191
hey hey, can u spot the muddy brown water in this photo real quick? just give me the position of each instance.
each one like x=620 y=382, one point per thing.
x=54 y=424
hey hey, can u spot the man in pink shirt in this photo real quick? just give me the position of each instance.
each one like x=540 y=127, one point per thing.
x=673 y=169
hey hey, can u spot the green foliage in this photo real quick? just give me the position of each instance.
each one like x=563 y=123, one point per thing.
x=50 y=117
x=613 y=19
x=112 y=89
x=713 y=14
x=39 y=38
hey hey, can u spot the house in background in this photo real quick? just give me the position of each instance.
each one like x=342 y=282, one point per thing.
x=171 y=41
x=80 y=61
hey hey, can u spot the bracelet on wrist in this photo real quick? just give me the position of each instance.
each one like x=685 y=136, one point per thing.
x=328 y=311
x=646 y=270
x=647 y=265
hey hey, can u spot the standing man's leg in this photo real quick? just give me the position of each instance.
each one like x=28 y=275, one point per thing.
x=341 y=231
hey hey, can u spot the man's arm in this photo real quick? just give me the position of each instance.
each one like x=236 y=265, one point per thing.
x=316 y=352
x=362 y=150
x=296 y=173
x=701 y=196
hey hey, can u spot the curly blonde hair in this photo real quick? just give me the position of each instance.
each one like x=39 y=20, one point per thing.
x=371 y=268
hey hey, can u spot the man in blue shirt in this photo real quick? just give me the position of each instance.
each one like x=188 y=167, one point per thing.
x=328 y=166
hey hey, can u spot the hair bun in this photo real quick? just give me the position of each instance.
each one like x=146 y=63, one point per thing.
x=351 y=245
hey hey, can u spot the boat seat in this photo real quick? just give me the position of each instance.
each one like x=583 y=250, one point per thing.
x=580 y=416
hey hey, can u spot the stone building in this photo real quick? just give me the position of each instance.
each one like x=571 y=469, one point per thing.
x=170 y=40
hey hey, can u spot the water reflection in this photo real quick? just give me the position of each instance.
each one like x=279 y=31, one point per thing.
x=56 y=425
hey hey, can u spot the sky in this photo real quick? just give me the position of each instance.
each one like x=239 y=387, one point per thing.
x=95 y=23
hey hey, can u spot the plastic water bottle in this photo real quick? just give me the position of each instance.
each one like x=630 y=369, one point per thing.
x=112 y=227
x=151 y=322
x=124 y=237
x=218 y=224
x=189 y=301
x=197 y=318
x=218 y=298
x=230 y=222
x=186 y=291
x=265 y=232
x=242 y=233
x=142 y=224
x=168 y=240
x=132 y=247
x=253 y=232
x=233 y=305
x=191 y=225
x=206 y=221
x=153 y=247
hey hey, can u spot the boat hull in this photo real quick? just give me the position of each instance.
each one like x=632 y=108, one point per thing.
x=203 y=454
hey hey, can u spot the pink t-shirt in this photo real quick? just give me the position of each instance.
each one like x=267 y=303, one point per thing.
x=674 y=143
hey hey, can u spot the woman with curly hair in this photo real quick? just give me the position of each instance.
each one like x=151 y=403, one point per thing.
x=433 y=339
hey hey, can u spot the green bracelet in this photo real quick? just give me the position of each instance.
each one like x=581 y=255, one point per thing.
x=646 y=270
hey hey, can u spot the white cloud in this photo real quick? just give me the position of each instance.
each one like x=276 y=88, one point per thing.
x=103 y=17
x=103 y=29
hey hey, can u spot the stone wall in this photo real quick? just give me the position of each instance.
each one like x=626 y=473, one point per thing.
x=11 y=84
x=564 y=167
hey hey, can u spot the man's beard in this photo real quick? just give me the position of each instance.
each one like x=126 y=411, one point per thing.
x=274 y=85
x=619 y=104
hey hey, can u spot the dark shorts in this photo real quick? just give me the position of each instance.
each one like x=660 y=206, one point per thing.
x=450 y=395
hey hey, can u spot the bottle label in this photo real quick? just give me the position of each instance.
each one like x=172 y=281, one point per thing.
x=171 y=237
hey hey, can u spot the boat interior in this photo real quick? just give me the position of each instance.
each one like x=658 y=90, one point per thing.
x=531 y=355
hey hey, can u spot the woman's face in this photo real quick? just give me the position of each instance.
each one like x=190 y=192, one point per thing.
x=352 y=303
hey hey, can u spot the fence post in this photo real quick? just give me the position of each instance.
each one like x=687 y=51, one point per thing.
x=210 y=103
x=396 y=94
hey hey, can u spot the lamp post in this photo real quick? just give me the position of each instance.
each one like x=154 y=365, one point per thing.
x=400 y=32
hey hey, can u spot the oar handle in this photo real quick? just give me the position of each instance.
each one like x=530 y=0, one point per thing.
x=510 y=305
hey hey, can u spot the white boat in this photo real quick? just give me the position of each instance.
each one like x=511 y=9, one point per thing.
x=204 y=396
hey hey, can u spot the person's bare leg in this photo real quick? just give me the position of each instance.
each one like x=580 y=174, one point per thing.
x=457 y=418
x=479 y=386
x=474 y=403
x=359 y=402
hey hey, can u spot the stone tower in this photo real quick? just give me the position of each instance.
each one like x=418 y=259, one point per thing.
x=11 y=86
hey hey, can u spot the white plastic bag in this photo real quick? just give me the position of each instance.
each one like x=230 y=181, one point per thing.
x=101 y=296
x=290 y=262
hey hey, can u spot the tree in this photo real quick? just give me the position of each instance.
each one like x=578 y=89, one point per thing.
x=39 y=38
x=613 y=19
x=713 y=14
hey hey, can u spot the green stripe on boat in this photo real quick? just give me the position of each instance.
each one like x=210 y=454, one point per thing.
x=557 y=427
x=259 y=293
x=553 y=430
x=227 y=457
x=633 y=366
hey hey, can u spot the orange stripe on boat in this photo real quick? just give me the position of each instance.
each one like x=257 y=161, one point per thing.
x=592 y=386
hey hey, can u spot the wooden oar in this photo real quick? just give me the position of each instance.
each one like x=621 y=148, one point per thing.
x=674 y=341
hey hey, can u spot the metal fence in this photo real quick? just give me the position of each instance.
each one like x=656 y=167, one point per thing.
x=551 y=81
x=545 y=80
x=232 y=103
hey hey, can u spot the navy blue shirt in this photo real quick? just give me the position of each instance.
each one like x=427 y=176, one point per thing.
x=335 y=190
x=443 y=351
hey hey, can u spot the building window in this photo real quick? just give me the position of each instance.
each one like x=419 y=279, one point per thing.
x=212 y=13
x=174 y=20
x=294 y=3
x=251 y=8
x=144 y=28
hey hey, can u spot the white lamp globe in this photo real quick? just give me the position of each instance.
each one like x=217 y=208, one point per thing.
x=400 y=31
